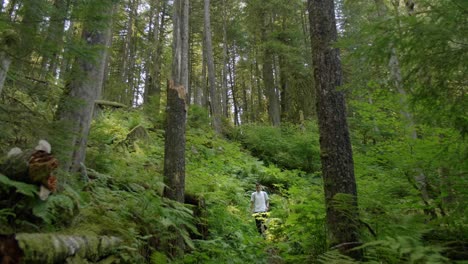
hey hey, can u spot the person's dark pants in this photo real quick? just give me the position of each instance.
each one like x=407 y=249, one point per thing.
x=260 y=218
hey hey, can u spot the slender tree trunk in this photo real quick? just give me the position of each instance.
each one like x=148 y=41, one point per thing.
x=128 y=57
x=253 y=80
x=284 y=89
x=232 y=77
x=204 y=88
x=67 y=59
x=215 y=109
x=268 y=78
x=245 y=106
x=132 y=49
x=270 y=89
x=85 y=86
x=54 y=40
x=335 y=145
x=197 y=87
x=157 y=59
x=153 y=83
x=5 y=62
x=260 y=103
x=224 y=87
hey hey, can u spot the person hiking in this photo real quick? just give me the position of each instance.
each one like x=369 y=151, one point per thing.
x=259 y=205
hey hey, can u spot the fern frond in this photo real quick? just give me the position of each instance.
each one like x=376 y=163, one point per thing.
x=21 y=187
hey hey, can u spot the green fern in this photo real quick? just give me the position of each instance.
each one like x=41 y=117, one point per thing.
x=404 y=249
x=21 y=187
x=334 y=257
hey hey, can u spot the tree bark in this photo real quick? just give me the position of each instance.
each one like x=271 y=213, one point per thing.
x=54 y=39
x=215 y=106
x=232 y=77
x=176 y=115
x=204 y=88
x=153 y=85
x=225 y=70
x=55 y=248
x=174 y=151
x=268 y=77
x=5 y=62
x=85 y=86
x=9 y=41
x=335 y=145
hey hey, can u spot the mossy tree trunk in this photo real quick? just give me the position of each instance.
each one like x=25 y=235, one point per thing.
x=85 y=83
x=335 y=144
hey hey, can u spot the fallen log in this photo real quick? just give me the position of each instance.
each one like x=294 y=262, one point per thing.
x=55 y=248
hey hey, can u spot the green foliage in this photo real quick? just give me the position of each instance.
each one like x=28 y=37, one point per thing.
x=59 y=209
x=403 y=249
x=290 y=147
x=20 y=187
x=304 y=237
x=430 y=49
x=24 y=211
x=198 y=118
x=334 y=257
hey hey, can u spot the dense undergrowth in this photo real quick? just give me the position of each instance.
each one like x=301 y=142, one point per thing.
x=121 y=195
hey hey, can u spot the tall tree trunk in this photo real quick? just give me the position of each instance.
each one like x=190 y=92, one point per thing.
x=232 y=77
x=245 y=115
x=176 y=114
x=225 y=70
x=253 y=81
x=284 y=89
x=335 y=145
x=215 y=106
x=4 y=57
x=9 y=41
x=67 y=58
x=85 y=85
x=128 y=55
x=132 y=85
x=157 y=59
x=174 y=151
x=5 y=62
x=54 y=40
x=260 y=103
x=153 y=84
x=268 y=77
x=270 y=89
x=204 y=88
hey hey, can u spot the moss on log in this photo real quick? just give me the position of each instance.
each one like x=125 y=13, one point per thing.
x=55 y=248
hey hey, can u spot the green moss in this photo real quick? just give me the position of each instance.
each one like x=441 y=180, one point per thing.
x=53 y=248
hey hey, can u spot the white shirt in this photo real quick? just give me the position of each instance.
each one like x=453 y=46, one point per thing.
x=259 y=198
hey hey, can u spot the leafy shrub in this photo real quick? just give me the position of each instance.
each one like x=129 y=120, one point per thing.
x=288 y=146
